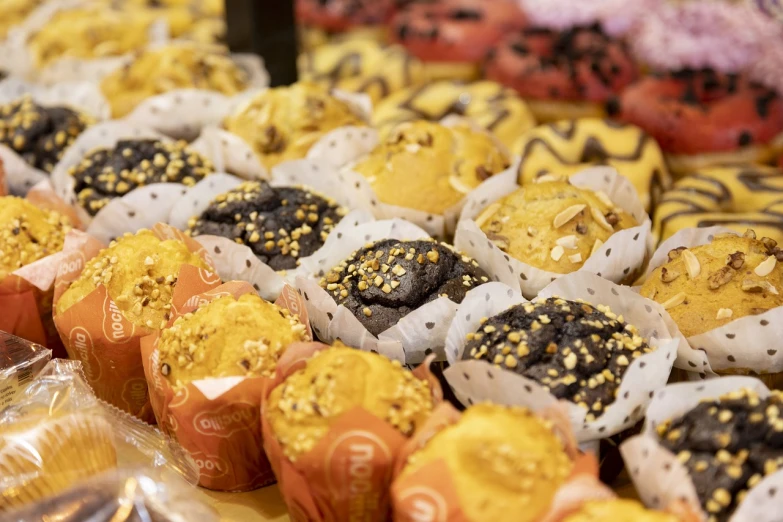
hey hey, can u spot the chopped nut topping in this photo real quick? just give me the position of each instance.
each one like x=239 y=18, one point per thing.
x=754 y=286
x=668 y=275
x=724 y=313
x=692 y=265
x=721 y=277
x=568 y=214
x=736 y=260
x=557 y=253
x=766 y=266
x=600 y=219
x=673 y=301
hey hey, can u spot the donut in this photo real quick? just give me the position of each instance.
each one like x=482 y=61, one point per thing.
x=341 y=15
x=562 y=74
x=488 y=104
x=703 y=118
x=454 y=35
x=738 y=197
x=566 y=147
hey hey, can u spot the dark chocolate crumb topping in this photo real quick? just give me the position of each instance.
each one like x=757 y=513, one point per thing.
x=279 y=224
x=728 y=446
x=386 y=280
x=104 y=174
x=579 y=351
x=39 y=134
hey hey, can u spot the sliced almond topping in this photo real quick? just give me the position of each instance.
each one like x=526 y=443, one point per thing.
x=459 y=185
x=668 y=275
x=754 y=287
x=549 y=177
x=721 y=277
x=724 y=313
x=486 y=214
x=557 y=253
x=575 y=258
x=692 y=265
x=600 y=219
x=675 y=253
x=531 y=231
x=673 y=301
x=601 y=195
x=750 y=233
x=568 y=242
x=598 y=244
x=766 y=266
x=567 y=215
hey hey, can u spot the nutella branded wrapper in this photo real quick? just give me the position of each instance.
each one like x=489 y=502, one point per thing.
x=80 y=96
x=661 y=479
x=346 y=476
x=95 y=332
x=619 y=259
x=216 y=420
x=475 y=381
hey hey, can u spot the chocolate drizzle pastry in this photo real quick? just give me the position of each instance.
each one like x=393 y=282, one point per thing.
x=578 y=351
x=105 y=174
x=279 y=224
x=39 y=134
x=728 y=446
x=386 y=280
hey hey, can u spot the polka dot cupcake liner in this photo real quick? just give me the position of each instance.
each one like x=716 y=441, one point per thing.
x=618 y=260
x=82 y=96
x=727 y=348
x=475 y=381
x=661 y=479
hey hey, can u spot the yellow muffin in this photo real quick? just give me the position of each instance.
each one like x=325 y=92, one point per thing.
x=553 y=226
x=707 y=286
x=14 y=12
x=176 y=66
x=429 y=167
x=139 y=272
x=566 y=147
x=28 y=233
x=361 y=66
x=282 y=124
x=228 y=337
x=618 y=510
x=506 y=463
x=492 y=106
x=336 y=380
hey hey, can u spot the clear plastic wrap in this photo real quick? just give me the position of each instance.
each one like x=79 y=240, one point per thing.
x=20 y=362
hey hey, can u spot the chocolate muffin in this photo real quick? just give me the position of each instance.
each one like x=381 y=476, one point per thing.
x=105 y=174
x=386 y=280
x=728 y=445
x=578 y=351
x=40 y=134
x=279 y=224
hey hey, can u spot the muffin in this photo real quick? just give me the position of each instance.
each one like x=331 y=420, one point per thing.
x=279 y=224
x=386 y=280
x=710 y=285
x=429 y=167
x=618 y=510
x=139 y=272
x=40 y=134
x=228 y=337
x=335 y=381
x=505 y=463
x=175 y=66
x=14 y=12
x=282 y=124
x=578 y=351
x=108 y=173
x=553 y=226
x=728 y=445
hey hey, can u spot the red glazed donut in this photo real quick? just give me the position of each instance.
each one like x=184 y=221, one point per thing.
x=455 y=31
x=341 y=15
x=562 y=74
x=704 y=118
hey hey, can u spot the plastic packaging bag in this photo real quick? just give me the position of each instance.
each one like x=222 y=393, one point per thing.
x=20 y=362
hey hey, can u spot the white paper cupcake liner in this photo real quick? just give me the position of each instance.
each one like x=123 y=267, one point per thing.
x=728 y=346
x=661 y=479
x=623 y=254
x=229 y=153
x=475 y=381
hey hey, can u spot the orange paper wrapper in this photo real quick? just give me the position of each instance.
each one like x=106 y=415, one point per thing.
x=346 y=476
x=429 y=493
x=220 y=427
x=95 y=332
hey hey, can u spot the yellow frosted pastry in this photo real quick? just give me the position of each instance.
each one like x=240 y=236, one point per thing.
x=707 y=286
x=429 y=167
x=139 y=272
x=566 y=147
x=494 y=107
x=618 y=510
x=228 y=337
x=553 y=226
x=28 y=233
x=14 y=12
x=506 y=464
x=176 y=66
x=283 y=123
x=302 y=408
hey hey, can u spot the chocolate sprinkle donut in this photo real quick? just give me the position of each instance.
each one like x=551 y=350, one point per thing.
x=105 y=174
x=386 y=280
x=728 y=446
x=578 y=351
x=279 y=224
x=39 y=134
